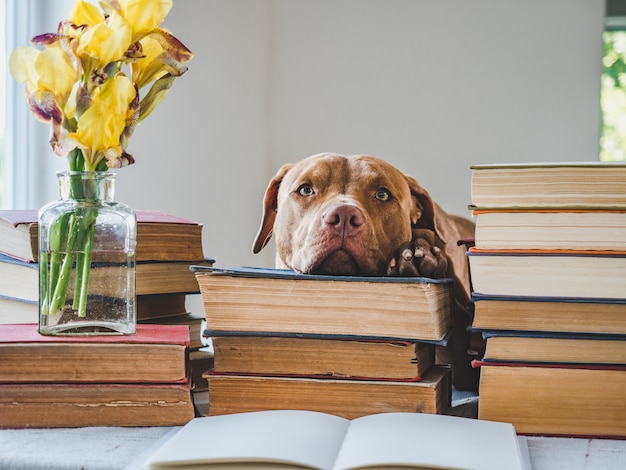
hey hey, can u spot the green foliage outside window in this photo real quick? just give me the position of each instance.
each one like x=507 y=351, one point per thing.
x=613 y=97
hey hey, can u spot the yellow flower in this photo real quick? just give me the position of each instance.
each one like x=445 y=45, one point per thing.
x=85 y=13
x=102 y=123
x=144 y=16
x=80 y=81
x=49 y=76
x=105 y=42
x=150 y=67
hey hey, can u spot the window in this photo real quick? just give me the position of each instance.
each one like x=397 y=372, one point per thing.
x=613 y=97
x=613 y=85
x=24 y=140
x=3 y=74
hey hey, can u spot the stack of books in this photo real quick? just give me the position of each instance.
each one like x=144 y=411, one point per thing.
x=349 y=346
x=166 y=246
x=135 y=380
x=548 y=272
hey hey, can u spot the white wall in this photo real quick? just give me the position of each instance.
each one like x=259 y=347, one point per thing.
x=430 y=85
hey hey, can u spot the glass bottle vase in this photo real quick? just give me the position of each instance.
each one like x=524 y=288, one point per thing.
x=87 y=259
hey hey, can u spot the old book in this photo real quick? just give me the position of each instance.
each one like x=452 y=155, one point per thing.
x=305 y=439
x=549 y=274
x=348 y=398
x=555 y=400
x=550 y=230
x=574 y=185
x=19 y=279
x=193 y=321
x=149 y=308
x=322 y=357
x=64 y=405
x=274 y=302
x=554 y=348
x=14 y=310
x=160 y=236
x=156 y=353
x=565 y=314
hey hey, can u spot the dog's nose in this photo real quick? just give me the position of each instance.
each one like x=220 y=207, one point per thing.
x=344 y=218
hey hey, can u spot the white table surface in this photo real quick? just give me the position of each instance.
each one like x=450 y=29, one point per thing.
x=127 y=448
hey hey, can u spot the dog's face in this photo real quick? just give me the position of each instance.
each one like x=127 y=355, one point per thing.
x=334 y=214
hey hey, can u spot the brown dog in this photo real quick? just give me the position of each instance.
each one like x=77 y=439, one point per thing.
x=359 y=215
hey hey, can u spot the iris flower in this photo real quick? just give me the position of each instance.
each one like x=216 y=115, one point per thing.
x=87 y=81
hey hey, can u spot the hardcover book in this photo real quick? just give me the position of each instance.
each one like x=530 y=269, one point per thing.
x=556 y=314
x=274 y=302
x=555 y=348
x=549 y=274
x=156 y=353
x=582 y=401
x=236 y=393
x=64 y=405
x=20 y=279
x=573 y=185
x=601 y=230
x=160 y=236
x=262 y=355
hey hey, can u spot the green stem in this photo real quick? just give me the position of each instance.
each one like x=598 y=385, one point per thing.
x=83 y=261
x=59 y=288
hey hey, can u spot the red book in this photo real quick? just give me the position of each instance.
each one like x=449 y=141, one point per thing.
x=155 y=354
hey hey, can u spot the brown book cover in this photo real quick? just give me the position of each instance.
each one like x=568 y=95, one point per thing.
x=160 y=236
x=347 y=398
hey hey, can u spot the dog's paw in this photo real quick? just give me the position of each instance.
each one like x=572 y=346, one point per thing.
x=421 y=257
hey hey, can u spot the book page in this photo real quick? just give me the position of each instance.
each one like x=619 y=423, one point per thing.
x=302 y=438
x=431 y=441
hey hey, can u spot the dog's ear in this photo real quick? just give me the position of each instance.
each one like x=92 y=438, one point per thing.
x=423 y=212
x=270 y=207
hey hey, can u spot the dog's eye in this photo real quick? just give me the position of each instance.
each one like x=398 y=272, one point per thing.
x=305 y=190
x=382 y=195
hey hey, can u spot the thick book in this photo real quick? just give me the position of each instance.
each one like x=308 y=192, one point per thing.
x=558 y=314
x=555 y=400
x=233 y=393
x=160 y=236
x=555 y=349
x=278 y=302
x=305 y=439
x=194 y=322
x=383 y=360
x=13 y=310
x=20 y=279
x=69 y=405
x=573 y=185
x=550 y=230
x=149 y=308
x=155 y=353
x=548 y=274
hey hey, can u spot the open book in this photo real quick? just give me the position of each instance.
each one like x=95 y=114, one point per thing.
x=307 y=439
